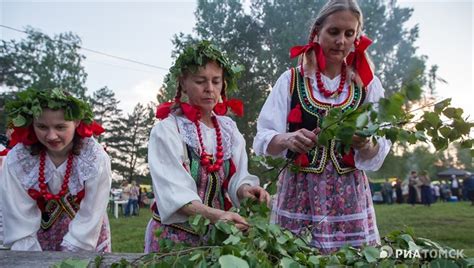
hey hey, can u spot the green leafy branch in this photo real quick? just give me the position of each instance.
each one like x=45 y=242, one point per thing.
x=269 y=245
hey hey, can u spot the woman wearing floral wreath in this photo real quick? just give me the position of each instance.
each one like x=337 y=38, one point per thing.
x=329 y=192
x=56 y=178
x=197 y=155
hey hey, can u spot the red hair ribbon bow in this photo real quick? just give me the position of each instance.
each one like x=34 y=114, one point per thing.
x=25 y=135
x=235 y=105
x=87 y=130
x=164 y=109
x=319 y=55
x=358 y=59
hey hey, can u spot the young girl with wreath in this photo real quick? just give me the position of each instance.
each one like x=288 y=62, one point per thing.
x=56 y=178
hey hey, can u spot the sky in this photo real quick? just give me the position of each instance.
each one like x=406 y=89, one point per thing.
x=142 y=31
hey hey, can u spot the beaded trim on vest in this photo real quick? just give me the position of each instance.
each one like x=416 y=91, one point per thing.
x=313 y=112
x=53 y=209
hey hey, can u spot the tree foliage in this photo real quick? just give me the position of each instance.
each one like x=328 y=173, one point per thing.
x=43 y=62
x=130 y=143
x=106 y=112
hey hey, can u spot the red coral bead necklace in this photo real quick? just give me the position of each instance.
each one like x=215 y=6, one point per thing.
x=331 y=94
x=47 y=195
x=206 y=157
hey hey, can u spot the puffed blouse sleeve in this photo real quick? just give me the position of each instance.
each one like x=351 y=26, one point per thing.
x=273 y=116
x=240 y=160
x=173 y=185
x=375 y=92
x=21 y=215
x=84 y=229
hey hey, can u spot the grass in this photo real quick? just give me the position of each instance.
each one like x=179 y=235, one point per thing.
x=450 y=224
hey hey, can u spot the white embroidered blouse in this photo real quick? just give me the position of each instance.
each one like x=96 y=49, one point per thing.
x=273 y=117
x=173 y=185
x=21 y=215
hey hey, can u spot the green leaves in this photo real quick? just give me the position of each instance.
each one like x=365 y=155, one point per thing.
x=19 y=121
x=230 y=261
x=371 y=254
x=30 y=103
x=198 y=53
x=268 y=245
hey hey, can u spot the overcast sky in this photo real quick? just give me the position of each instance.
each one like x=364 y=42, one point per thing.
x=143 y=31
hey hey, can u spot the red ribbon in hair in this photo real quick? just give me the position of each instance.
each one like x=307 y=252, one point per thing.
x=235 y=105
x=191 y=112
x=87 y=130
x=319 y=55
x=163 y=110
x=358 y=59
x=25 y=135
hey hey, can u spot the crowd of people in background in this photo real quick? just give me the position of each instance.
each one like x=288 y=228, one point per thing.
x=418 y=188
x=137 y=197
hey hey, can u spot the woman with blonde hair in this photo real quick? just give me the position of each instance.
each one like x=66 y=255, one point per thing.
x=328 y=192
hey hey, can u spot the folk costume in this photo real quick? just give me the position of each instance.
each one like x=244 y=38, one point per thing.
x=55 y=208
x=329 y=194
x=190 y=161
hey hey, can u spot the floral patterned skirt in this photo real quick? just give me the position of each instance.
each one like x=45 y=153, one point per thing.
x=336 y=209
x=50 y=239
x=169 y=232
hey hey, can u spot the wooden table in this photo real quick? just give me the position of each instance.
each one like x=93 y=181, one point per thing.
x=29 y=259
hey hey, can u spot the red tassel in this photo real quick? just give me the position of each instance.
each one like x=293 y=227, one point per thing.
x=348 y=159
x=295 y=115
x=227 y=202
x=80 y=195
x=4 y=152
x=302 y=160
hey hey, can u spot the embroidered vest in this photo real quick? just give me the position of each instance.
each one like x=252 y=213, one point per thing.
x=313 y=112
x=212 y=189
x=52 y=210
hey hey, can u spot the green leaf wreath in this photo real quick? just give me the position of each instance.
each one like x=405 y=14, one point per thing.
x=29 y=104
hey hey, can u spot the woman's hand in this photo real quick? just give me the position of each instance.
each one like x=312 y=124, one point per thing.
x=214 y=214
x=302 y=140
x=365 y=147
x=238 y=220
x=254 y=193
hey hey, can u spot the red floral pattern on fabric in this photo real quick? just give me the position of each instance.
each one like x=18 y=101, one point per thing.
x=50 y=239
x=338 y=208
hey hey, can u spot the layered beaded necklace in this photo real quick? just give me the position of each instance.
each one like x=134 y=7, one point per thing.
x=206 y=157
x=331 y=94
x=47 y=195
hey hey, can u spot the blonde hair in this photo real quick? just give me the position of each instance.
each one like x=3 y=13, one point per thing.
x=331 y=7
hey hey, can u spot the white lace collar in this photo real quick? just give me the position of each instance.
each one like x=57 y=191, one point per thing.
x=188 y=133
x=84 y=167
